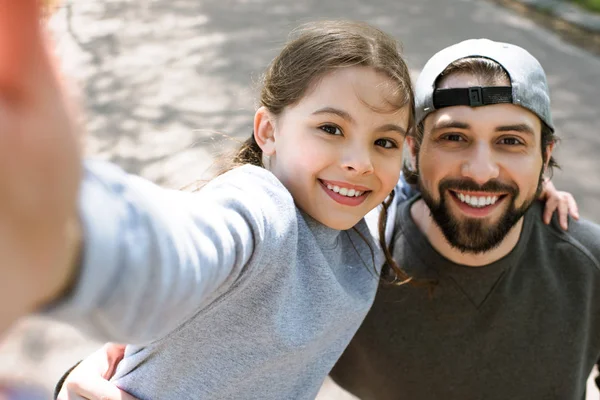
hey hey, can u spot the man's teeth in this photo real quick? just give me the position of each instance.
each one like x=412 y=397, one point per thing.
x=344 y=191
x=477 y=201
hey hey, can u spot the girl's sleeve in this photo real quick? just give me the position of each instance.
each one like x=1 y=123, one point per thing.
x=152 y=257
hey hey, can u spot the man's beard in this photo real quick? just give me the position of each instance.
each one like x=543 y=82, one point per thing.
x=475 y=235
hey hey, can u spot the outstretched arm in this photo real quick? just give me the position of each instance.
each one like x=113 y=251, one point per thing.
x=95 y=247
x=40 y=168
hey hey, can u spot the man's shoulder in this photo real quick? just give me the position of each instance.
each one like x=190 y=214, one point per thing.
x=585 y=235
x=582 y=237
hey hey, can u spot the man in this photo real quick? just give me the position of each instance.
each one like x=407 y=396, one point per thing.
x=504 y=306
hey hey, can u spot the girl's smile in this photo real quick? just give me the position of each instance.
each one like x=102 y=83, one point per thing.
x=345 y=193
x=347 y=128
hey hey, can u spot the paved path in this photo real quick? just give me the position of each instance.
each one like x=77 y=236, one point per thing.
x=168 y=83
x=162 y=77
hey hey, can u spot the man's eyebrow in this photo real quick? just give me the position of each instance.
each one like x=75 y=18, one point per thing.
x=450 y=124
x=336 y=111
x=522 y=128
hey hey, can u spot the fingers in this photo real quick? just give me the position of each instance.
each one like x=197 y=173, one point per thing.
x=563 y=214
x=561 y=202
x=567 y=206
x=550 y=207
x=114 y=354
x=573 y=209
x=66 y=395
x=95 y=389
x=89 y=380
x=20 y=40
x=564 y=204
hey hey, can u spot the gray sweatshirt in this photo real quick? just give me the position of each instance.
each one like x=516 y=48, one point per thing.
x=229 y=293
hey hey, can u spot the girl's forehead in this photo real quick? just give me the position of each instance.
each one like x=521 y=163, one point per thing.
x=355 y=89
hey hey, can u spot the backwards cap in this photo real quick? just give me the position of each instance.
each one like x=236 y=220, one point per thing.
x=528 y=88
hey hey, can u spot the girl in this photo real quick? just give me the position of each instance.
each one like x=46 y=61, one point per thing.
x=251 y=287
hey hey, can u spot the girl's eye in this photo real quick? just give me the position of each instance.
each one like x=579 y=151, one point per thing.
x=510 y=141
x=331 y=130
x=386 y=143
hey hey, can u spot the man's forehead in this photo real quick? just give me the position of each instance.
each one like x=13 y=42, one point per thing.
x=496 y=117
x=465 y=80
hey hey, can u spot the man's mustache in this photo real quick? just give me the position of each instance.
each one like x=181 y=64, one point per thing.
x=468 y=185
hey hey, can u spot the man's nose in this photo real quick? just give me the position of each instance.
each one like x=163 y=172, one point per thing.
x=481 y=165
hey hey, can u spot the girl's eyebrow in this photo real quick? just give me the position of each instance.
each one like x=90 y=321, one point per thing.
x=346 y=116
x=392 y=128
x=331 y=110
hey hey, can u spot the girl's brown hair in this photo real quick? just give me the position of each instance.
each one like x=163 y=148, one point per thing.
x=312 y=51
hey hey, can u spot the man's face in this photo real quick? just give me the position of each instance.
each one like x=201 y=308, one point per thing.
x=479 y=169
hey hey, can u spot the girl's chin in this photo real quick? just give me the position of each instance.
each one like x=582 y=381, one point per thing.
x=340 y=224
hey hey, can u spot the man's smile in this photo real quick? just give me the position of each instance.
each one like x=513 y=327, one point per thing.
x=477 y=204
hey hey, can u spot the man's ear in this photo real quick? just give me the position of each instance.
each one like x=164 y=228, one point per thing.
x=412 y=150
x=264 y=131
x=549 y=150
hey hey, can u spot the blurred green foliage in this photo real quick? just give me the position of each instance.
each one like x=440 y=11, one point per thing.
x=593 y=5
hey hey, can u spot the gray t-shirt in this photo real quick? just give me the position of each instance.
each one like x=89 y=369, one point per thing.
x=229 y=293
x=524 y=327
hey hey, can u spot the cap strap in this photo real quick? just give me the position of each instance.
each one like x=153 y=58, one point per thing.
x=473 y=96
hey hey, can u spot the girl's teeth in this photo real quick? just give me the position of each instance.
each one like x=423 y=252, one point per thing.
x=345 y=191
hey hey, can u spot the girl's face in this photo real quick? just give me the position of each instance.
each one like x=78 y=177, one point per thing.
x=339 y=149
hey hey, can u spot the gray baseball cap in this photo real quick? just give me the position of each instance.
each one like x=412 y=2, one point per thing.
x=528 y=89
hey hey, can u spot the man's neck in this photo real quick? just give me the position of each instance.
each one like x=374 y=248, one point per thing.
x=422 y=217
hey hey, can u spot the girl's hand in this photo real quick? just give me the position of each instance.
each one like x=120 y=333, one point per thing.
x=40 y=168
x=89 y=380
x=557 y=200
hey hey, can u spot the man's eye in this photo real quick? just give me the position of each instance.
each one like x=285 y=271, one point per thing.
x=510 y=141
x=453 y=137
x=386 y=143
x=331 y=129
